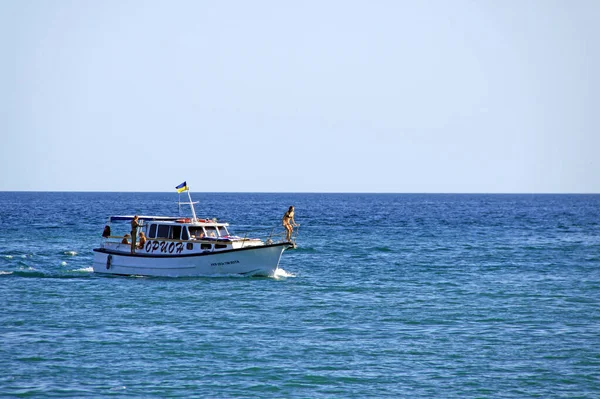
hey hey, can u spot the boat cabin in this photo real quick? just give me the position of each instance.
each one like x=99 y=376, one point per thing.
x=184 y=232
x=169 y=235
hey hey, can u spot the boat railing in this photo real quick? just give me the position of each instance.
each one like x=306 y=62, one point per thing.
x=268 y=236
x=114 y=240
x=274 y=236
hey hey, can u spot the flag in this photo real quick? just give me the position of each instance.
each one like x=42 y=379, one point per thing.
x=182 y=187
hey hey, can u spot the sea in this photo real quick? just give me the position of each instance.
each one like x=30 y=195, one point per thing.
x=385 y=296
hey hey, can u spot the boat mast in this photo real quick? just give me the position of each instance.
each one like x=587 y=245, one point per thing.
x=192 y=207
x=191 y=204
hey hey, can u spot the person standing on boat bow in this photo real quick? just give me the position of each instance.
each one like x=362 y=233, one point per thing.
x=134 y=226
x=288 y=221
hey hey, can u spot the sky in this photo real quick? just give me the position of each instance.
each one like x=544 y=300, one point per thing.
x=324 y=96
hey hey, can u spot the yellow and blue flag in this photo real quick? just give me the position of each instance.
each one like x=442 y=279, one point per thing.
x=182 y=187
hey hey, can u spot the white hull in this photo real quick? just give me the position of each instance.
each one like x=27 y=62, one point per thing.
x=254 y=261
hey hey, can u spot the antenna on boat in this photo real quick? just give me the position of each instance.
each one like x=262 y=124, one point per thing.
x=185 y=187
x=192 y=206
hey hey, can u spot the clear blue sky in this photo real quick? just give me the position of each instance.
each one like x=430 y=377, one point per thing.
x=303 y=96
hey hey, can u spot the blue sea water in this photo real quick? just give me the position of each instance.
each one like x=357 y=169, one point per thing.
x=387 y=295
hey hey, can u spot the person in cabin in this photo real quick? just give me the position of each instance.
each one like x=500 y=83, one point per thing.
x=134 y=226
x=106 y=232
x=125 y=239
x=288 y=221
x=142 y=240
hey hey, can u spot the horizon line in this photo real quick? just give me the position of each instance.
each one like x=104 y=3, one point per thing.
x=308 y=192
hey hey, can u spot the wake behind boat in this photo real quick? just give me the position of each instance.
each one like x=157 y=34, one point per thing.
x=173 y=246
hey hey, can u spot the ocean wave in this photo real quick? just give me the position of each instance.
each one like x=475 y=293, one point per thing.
x=42 y=274
x=383 y=249
x=29 y=273
x=304 y=250
x=70 y=253
x=15 y=255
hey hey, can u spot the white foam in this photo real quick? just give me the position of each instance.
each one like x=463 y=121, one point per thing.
x=3 y=272
x=7 y=256
x=63 y=263
x=71 y=253
x=85 y=269
x=279 y=273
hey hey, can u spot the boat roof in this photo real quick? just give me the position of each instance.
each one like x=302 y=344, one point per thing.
x=162 y=219
x=145 y=218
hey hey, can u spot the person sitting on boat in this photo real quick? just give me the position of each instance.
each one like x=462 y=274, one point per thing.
x=134 y=226
x=142 y=240
x=197 y=235
x=288 y=221
x=106 y=231
x=125 y=239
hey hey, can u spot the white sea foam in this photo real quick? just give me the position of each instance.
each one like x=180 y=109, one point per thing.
x=7 y=256
x=85 y=269
x=4 y=272
x=70 y=253
x=279 y=273
x=63 y=263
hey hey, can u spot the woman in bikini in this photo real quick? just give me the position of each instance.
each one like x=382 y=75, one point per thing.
x=288 y=221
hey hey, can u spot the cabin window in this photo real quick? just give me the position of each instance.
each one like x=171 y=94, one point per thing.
x=205 y=246
x=184 y=234
x=152 y=231
x=190 y=246
x=175 y=232
x=223 y=231
x=163 y=231
x=220 y=246
x=211 y=231
x=196 y=232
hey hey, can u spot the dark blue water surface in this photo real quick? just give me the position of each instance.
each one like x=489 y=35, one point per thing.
x=399 y=296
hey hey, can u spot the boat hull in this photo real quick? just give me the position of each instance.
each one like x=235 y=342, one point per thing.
x=251 y=261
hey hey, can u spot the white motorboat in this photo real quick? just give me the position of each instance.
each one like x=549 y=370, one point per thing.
x=186 y=247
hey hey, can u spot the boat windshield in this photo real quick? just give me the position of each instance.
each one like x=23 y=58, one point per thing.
x=196 y=232
x=207 y=231
x=211 y=231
